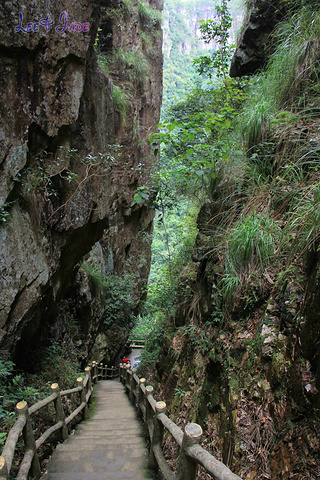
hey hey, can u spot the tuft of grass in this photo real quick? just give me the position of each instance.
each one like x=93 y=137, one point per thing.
x=127 y=6
x=259 y=111
x=288 y=84
x=302 y=231
x=135 y=64
x=103 y=63
x=150 y=16
x=121 y=101
x=250 y=245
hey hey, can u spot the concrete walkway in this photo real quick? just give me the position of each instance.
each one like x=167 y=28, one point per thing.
x=108 y=446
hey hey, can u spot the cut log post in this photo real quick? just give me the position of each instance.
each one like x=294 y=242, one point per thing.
x=83 y=399
x=133 y=386
x=127 y=382
x=142 y=381
x=149 y=411
x=87 y=371
x=157 y=436
x=188 y=466
x=28 y=437
x=105 y=370
x=3 y=469
x=94 y=372
x=60 y=416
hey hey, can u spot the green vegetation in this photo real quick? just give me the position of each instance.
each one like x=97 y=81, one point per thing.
x=134 y=63
x=13 y=390
x=249 y=154
x=121 y=101
x=182 y=47
x=251 y=243
x=119 y=295
x=196 y=141
x=54 y=363
x=129 y=65
x=4 y=212
x=290 y=81
x=150 y=15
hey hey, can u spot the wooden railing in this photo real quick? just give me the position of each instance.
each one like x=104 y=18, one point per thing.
x=155 y=419
x=30 y=461
x=137 y=341
x=153 y=413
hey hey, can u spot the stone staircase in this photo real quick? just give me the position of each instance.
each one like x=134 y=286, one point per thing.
x=108 y=446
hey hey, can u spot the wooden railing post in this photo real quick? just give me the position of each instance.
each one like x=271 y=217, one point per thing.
x=127 y=377
x=188 y=466
x=60 y=416
x=3 y=469
x=157 y=436
x=149 y=410
x=94 y=372
x=133 y=386
x=29 y=441
x=141 y=397
x=87 y=371
x=83 y=399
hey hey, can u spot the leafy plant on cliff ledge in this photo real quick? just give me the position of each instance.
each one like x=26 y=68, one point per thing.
x=216 y=30
x=150 y=15
x=13 y=390
x=291 y=79
x=121 y=100
x=250 y=247
x=4 y=212
x=119 y=298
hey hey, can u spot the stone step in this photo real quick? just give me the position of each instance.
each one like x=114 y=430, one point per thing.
x=108 y=446
x=99 y=452
x=132 y=475
x=91 y=443
x=107 y=427
x=98 y=465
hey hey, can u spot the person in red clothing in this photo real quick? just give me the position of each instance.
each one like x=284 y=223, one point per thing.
x=125 y=361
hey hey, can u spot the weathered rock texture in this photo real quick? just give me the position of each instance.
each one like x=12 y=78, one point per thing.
x=243 y=360
x=65 y=182
x=251 y=378
x=255 y=44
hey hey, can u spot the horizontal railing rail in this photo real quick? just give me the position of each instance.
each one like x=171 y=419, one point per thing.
x=23 y=425
x=137 y=341
x=156 y=422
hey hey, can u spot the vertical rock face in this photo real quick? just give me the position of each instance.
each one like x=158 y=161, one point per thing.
x=252 y=52
x=70 y=166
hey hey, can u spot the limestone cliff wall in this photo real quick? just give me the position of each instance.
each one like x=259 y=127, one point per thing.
x=255 y=44
x=70 y=166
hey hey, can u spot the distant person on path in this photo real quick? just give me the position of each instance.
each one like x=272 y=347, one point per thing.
x=125 y=360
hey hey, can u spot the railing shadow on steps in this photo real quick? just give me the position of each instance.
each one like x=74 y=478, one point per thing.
x=23 y=425
x=151 y=411
x=155 y=420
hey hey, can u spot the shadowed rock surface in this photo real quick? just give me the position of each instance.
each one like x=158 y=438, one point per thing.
x=70 y=167
x=254 y=46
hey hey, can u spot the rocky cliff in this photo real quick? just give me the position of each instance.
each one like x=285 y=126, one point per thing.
x=71 y=161
x=255 y=43
x=241 y=355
